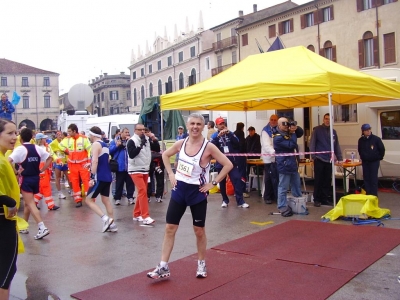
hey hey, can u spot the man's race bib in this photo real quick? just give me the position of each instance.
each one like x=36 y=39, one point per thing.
x=60 y=154
x=184 y=168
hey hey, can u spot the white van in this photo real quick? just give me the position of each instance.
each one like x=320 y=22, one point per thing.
x=110 y=124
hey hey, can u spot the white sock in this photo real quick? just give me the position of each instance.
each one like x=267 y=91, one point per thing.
x=41 y=226
x=104 y=218
x=163 y=264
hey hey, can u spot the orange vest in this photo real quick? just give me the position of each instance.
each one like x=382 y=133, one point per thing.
x=77 y=148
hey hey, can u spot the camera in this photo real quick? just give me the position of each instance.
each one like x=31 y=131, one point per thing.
x=158 y=170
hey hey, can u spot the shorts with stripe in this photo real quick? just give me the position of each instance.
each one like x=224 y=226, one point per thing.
x=100 y=188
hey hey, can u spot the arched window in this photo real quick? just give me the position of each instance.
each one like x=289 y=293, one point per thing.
x=329 y=51
x=151 y=89
x=46 y=99
x=192 y=77
x=181 y=81
x=159 y=87
x=311 y=48
x=142 y=95
x=169 y=85
x=134 y=97
x=368 y=50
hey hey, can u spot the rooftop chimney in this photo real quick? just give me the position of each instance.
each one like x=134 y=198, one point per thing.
x=254 y=7
x=122 y=73
x=240 y=13
x=105 y=74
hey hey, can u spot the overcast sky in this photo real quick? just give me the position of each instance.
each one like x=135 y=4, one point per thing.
x=81 y=39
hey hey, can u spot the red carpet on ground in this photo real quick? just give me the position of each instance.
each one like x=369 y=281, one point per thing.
x=293 y=260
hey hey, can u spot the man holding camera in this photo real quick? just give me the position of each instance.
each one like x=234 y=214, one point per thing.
x=285 y=142
x=227 y=143
x=139 y=158
x=119 y=152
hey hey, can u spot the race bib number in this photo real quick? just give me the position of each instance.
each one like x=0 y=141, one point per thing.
x=184 y=168
x=60 y=154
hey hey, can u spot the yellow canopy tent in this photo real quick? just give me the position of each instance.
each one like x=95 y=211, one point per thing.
x=289 y=78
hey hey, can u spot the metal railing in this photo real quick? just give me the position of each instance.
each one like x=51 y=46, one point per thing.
x=225 y=43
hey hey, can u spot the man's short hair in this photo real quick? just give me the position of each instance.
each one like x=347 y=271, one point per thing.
x=212 y=124
x=197 y=116
x=26 y=135
x=73 y=127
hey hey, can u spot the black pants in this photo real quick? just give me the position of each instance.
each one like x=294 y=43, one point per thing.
x=8 y=251
x=271 y=180
x=370 y=174
x=322 y=181
x=121 y=178
x=159 y=181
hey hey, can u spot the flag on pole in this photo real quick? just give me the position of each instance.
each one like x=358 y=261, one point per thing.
x=15 y=98
x=259 y=47
x=276 y=45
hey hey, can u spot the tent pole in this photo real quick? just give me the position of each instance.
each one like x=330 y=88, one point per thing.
x=162 y=127
x=332 y=155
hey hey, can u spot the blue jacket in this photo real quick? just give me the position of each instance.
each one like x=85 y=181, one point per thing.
x=229 y=140
x=6 y=110
x=321 y=141
x=371 y=148
x=119 y=153
x=285 y=143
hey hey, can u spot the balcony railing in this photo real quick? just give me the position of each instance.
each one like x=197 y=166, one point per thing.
x=225 y=43
x=218 y=70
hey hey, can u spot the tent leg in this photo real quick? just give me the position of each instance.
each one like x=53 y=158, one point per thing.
x=332 y=152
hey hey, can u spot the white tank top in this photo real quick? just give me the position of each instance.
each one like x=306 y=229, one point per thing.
x=189 y=169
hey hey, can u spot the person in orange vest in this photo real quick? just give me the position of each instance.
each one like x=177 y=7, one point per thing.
x=44 y=183
x=61 y=166
x=77 y=147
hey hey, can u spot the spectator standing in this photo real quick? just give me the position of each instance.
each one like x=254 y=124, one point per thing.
x=156 y=170
x=100 y=179
x=271 y=176
x=180 y=136
x=190 y=187
x=60 y=166
x=119 y=152
x=77 y=147
x=228 y=143
x=139 y=158
x=285 y=141
x=29 y=157
x=241 y=160
x=321 y=141
x=372 y=151
x=211 y=129
x=9 y=204
x=253 y=143
x=6 y=108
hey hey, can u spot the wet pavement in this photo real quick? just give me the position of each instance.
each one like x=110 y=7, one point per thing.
x=78 y=256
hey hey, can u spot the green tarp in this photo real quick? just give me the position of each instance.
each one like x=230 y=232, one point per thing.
x=172 y=118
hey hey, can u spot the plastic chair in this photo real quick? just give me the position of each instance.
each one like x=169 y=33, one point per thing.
x=252 y=176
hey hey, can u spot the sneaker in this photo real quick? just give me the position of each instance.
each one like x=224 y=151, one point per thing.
x=138 y=219
x=398 y=279
x=55 y=207
x=148 y=221
x=201 y=270
x=268 y=201
x=149 y=200
x=112 y=228
x=317 y=204
x=24 y=231
x=131 y=201
x=224 y=204
x=61 y=196
x=66 y=185
x=244 y=205
x=78 y=204
x=158 y=200
x=117 y=202
x=107 y=223
x=69 y=192
x=245 y=195
x=159 y=272
x=41 y=233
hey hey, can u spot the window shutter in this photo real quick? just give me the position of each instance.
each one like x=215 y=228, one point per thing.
x=331 y=11
x=316 y=21
x=272 y=31
x=376 y=50
x=334 y=53
x=303 y=21
x=280 y=28
x=320 y=16
x=360 y=6
x=379 y=2
x=389 y=48
x=110 y=95
x=361 y=59
x=373 y=2
x=291 y=25
x=322 y=52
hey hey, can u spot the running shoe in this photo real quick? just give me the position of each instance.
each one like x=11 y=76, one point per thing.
x=224 y=204
x=148 y=221
x=24 y=231
x=41 y=233
x=131 y=201
x=61 y=196
x=78 y=204
x=117 y=202
x=66 y=185
x=201 y=270
x=138 y=219
x=158 y=200
x=112 y=228
x=107 y=223
x=55 y=207
x=159 y=272
x=244 y=205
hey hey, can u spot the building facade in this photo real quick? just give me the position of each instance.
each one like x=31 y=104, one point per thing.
x=111 y=94
x=38 y=107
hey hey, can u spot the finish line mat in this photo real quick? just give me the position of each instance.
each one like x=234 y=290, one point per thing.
x=293 y=260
